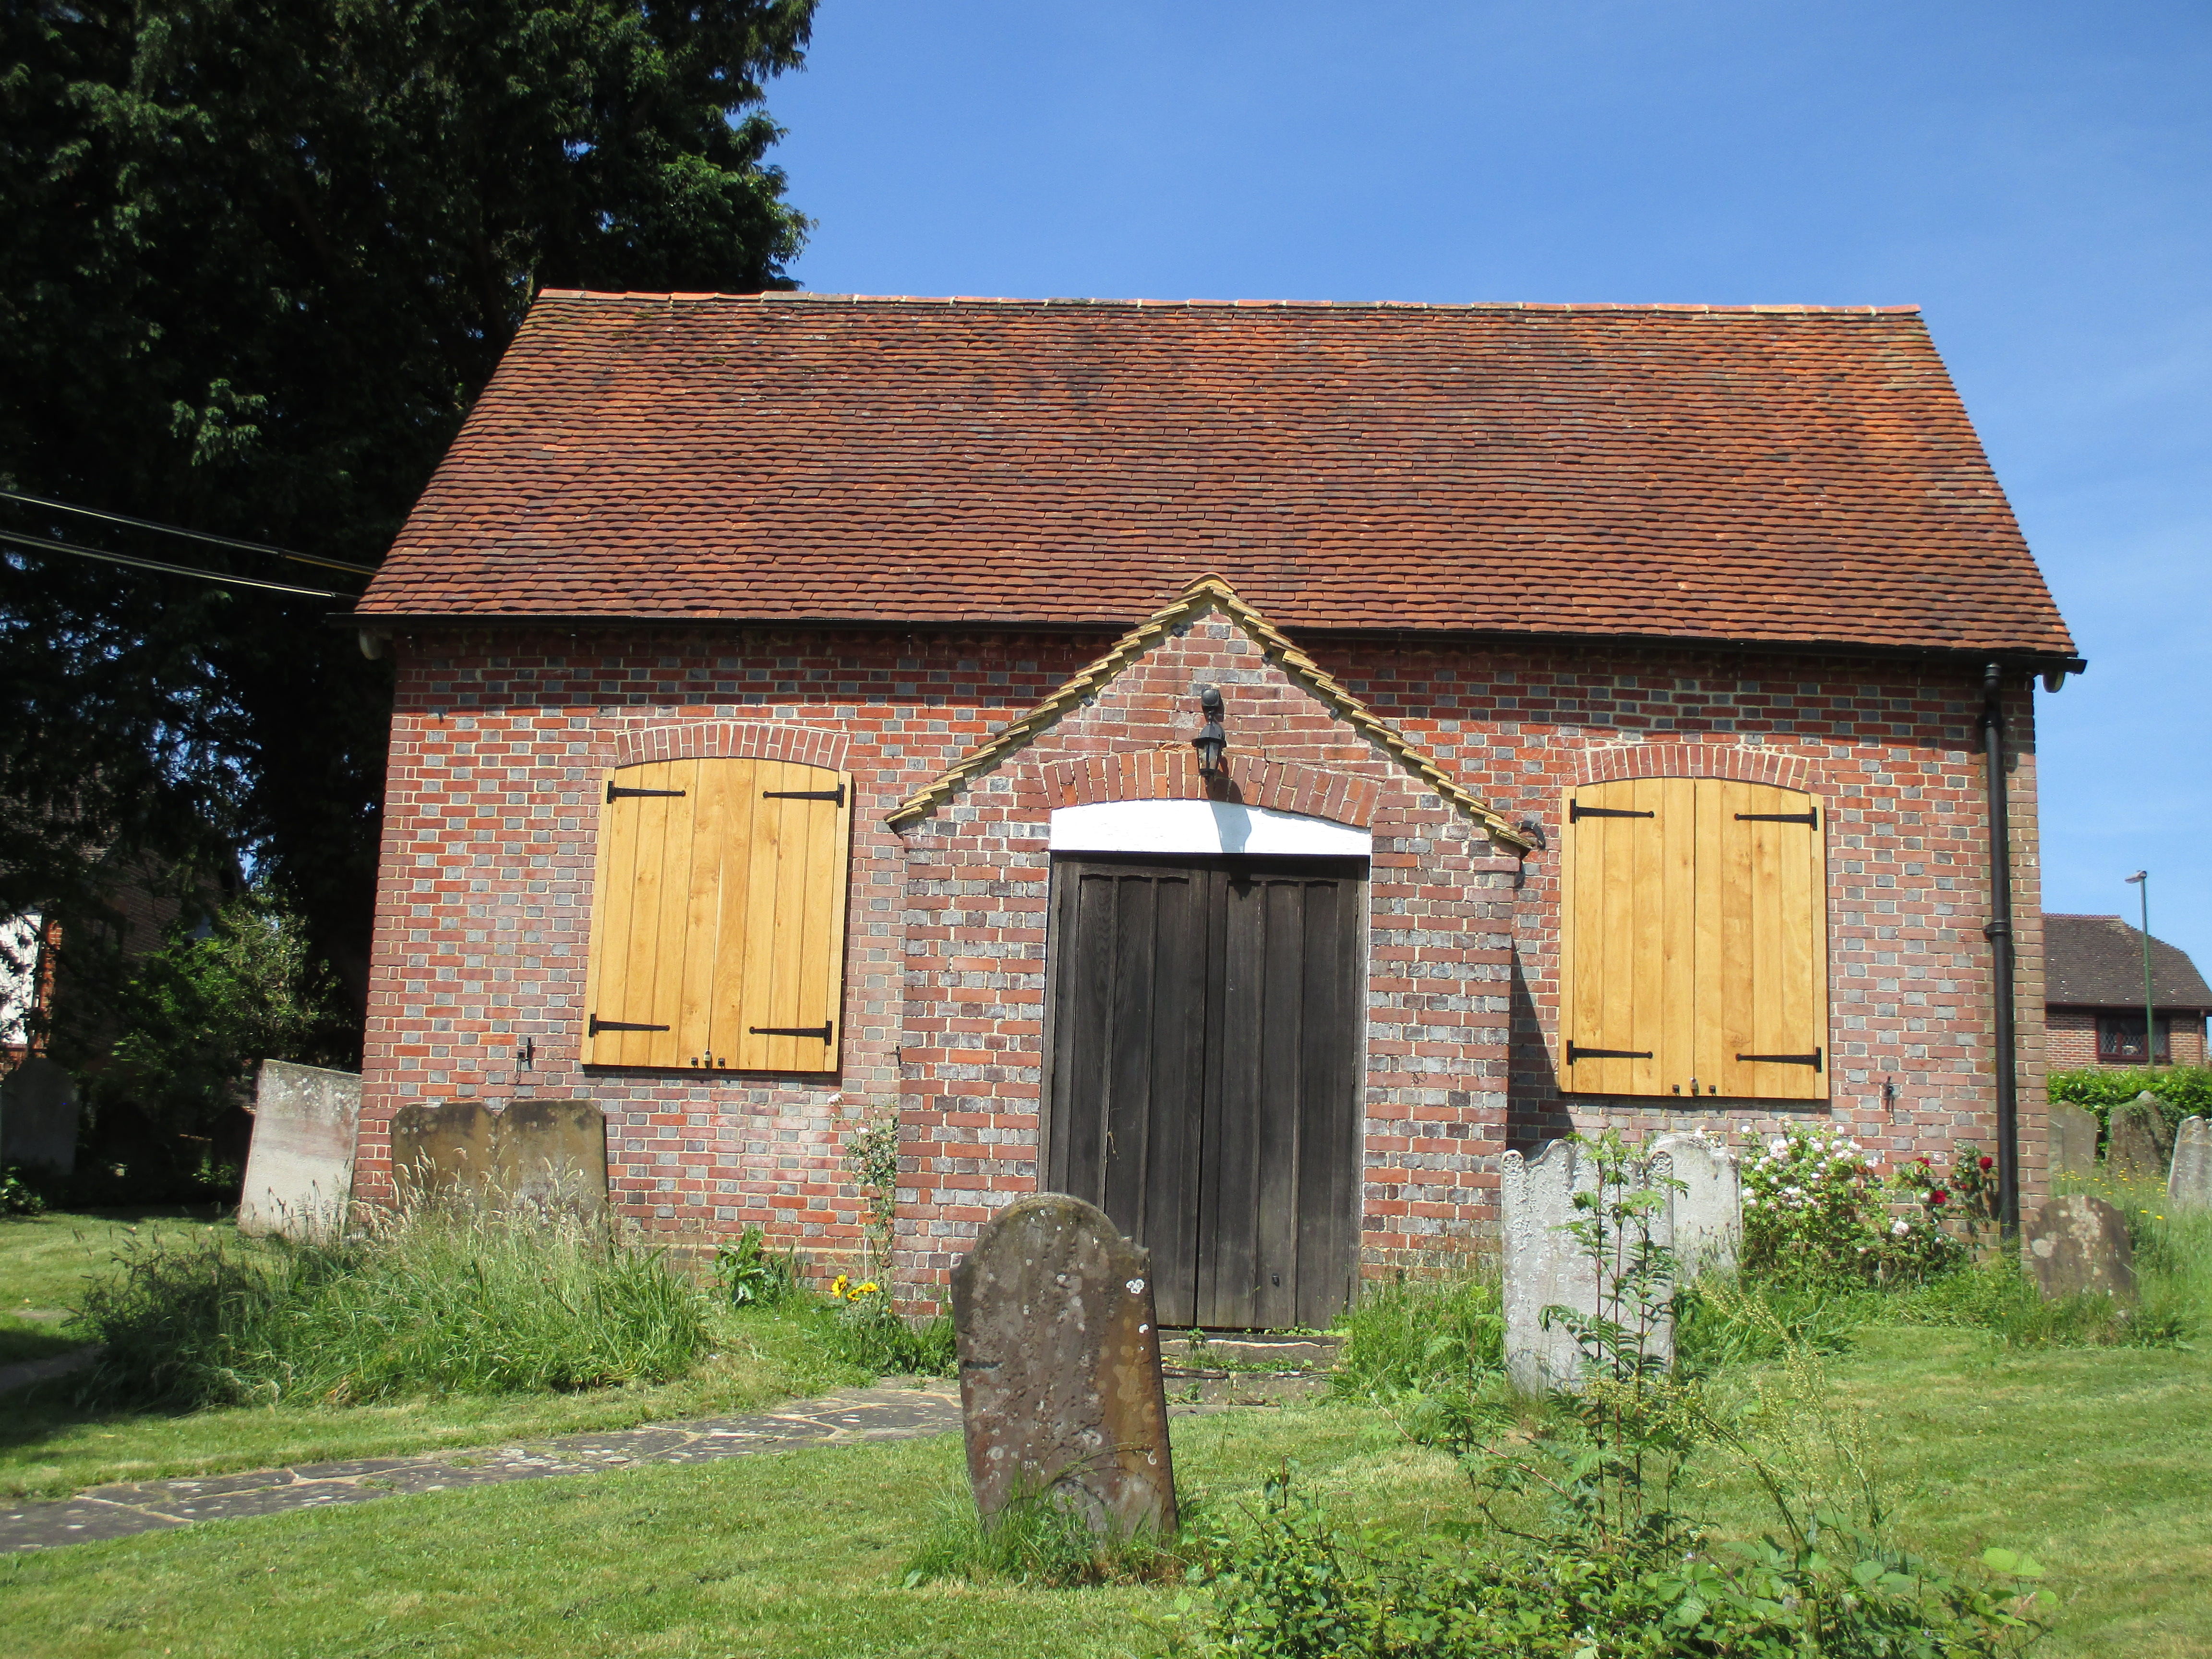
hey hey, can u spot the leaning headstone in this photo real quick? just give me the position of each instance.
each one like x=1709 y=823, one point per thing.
x=2073 y=1140
x=1709 y=1210
x=299 y=1165
x=38 y=1117
x=1546 y=1265
x=2188 y=1184
x=2138 y=1141
x=537 y=1156
x=1059 y=1368
x=2077 y=1243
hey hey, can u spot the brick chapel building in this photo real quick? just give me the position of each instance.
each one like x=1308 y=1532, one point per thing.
x=795 y=719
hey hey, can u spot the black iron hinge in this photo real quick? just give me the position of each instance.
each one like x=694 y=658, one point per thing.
x=819 y=1033
x=836 y=794
x=598 y=1025
x=1812 y=1060
x=1811 y=820
x=1576 y=812
x=1575 y=1052
x=618 y=791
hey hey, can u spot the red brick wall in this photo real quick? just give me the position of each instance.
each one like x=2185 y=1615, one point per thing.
x=2073 y=1038
x=1895 y=750
x=498 y=741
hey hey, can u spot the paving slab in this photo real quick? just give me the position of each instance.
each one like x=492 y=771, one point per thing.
x=119 y=1510
x=854 y=1417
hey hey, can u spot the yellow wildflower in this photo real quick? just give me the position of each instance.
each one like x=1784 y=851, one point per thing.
x=868 y=1289
x=837 y=1284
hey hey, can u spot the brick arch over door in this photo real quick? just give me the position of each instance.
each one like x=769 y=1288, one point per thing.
x=803 y=746
x=1614 y=761
x=1172 y=774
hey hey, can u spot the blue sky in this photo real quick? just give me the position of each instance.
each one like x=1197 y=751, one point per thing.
x=2037 y=176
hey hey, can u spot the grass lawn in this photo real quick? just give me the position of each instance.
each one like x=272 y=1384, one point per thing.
x=49 y=1446
x=2097 y=1461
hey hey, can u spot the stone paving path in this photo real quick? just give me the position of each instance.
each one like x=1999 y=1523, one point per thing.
x=118 y=1511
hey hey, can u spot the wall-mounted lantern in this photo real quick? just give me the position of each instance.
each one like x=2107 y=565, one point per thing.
x=1210 y=742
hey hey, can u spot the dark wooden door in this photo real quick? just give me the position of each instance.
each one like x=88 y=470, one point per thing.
x=1203 y=1085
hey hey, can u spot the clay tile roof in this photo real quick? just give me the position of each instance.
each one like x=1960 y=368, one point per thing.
x=2096 y=962
x=1765 y=474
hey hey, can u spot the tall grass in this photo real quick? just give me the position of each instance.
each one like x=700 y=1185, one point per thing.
x=424 y=1302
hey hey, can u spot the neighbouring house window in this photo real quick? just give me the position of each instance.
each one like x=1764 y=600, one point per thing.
x=718 y=917
x=2120 y=1040
x=1693 y=940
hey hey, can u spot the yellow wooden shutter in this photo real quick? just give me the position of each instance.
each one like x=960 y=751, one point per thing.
x=1693 y=930
x=1762 y=877
x=717 y=917
x=1627 y=936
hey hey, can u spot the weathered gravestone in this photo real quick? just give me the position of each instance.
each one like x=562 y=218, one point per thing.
x=1059 y=1368
x=38 y=1117
x=539 y=1156
x=1709 y=1210
x=2077 y=1243
x=2137 y=1141
x=299 y=1166
x=2073 y=1140
x=1547 y=1266
x=2189 y=1185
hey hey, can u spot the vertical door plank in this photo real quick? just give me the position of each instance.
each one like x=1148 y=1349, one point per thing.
x=758 y=990
x=1709 y=967
x=1278 y=1107
x=1170 y=1213
x=740 y=904
x=1619 y=934
x=1674 y=1032
x=1228 y=1241
x=1328 y=1131
x=1129 y=1057
x=702 y=916
x=821 y=944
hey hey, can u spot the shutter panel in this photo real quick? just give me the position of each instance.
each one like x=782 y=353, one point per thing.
x=717 y=911
x=640 y=917
x=1763 y=882
x=1628 y=936
x=790 y=937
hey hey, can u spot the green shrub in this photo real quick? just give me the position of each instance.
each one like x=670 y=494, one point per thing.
x=862 y=1328
x=17 y=1196
x=422 y=1303
x=753 y=1276
x=1816 y=1211
x=2182 y=1091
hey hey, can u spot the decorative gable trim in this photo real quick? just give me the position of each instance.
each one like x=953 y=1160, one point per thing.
x=1207 y=593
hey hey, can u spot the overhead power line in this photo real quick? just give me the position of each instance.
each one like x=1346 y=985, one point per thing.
x=26 y=545
x=191 y=535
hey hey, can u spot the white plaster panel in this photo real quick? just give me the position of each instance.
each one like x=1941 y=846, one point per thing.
x=1201 y=826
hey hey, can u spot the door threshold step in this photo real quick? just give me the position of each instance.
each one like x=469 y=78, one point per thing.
x=1242 y=1353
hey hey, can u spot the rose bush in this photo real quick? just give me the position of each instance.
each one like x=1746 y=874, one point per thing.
x=1817 y=1209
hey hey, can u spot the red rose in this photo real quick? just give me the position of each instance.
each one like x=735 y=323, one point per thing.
x=1922 y=1161
x=1939 y=1196
x=1988 y=1162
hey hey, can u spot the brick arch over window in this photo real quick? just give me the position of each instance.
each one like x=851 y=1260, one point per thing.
x=1172 y=774
x=1614 y=761
x=804 y=746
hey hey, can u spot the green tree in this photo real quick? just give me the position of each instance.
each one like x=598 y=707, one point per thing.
x=260 y=255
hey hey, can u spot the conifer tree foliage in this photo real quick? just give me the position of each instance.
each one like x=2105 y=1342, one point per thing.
x=259 y=256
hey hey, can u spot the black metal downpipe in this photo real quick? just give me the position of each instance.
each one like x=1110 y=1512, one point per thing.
x=1999 y=934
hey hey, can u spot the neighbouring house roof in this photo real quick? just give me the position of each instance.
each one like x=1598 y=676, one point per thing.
x=1207 y=593
x=1773 y=475
x=2096 y=962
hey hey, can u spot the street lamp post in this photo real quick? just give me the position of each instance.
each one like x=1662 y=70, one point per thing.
x=2142 y=879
